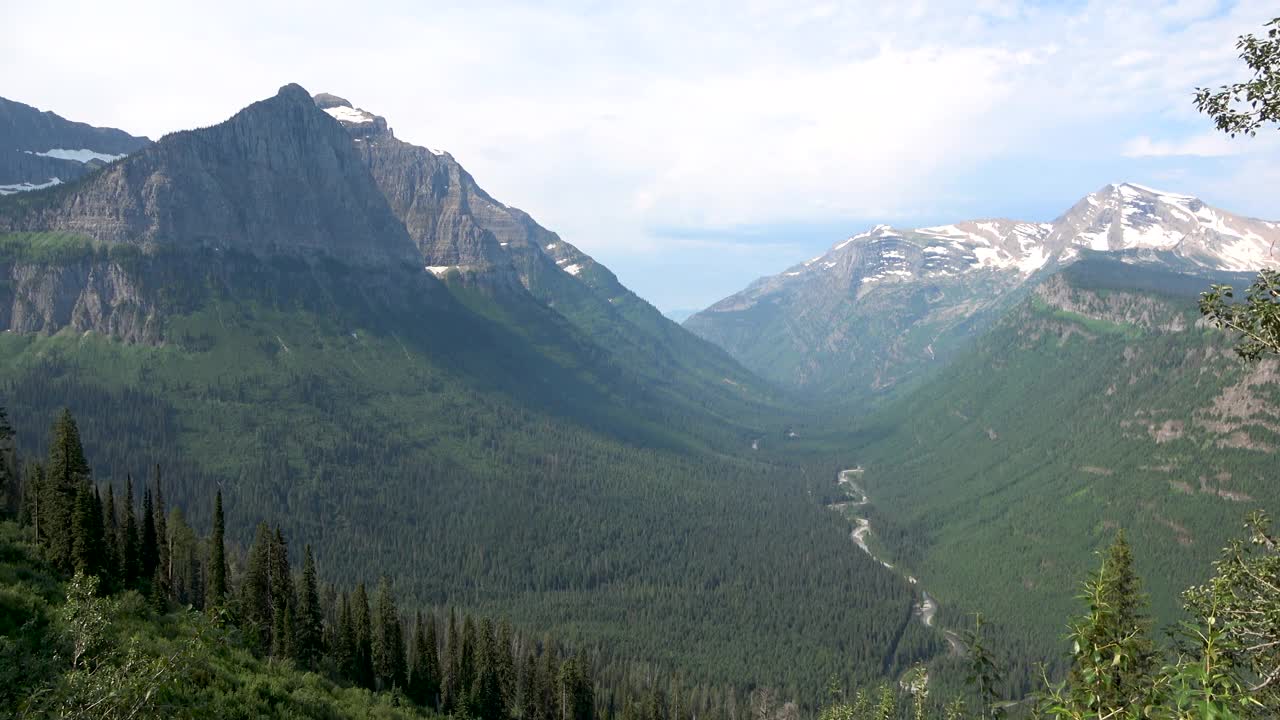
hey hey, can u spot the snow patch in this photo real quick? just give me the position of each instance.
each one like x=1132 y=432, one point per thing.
x=345 y=114
x=440 y=270
x=27 y=187
x=573 y=269
x=83 y=155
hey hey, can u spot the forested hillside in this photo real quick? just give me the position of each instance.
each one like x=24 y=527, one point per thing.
x=1102 y=402
x=261 y=324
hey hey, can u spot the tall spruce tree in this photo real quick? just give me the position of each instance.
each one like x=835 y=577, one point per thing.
x=388 y=640
x=255 y=592
x=424 y=672
x=450 y=689
x=86 y=534
x=164 y=553
x=363 y=622
x=282 y=597
x=65 y=475
x=1113 y=656
x=150 y=554
x=216 y=590
x=111 y=540
x=485 y=696
x=342 y=650
x=309 y=629
x=9 y=495
x=130 y=543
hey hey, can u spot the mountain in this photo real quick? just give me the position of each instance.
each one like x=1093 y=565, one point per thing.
x=884 y=308
x=464 y=233
x=1101 y=401
x=259 y=306
x=42 y=149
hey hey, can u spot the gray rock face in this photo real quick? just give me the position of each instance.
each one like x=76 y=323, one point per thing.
x=36 y=147
x=84 y=296
x=279 y=177
x=462 y=230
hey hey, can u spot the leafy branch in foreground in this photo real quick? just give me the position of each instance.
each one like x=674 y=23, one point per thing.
x=1243 y=107
x=1257 y=319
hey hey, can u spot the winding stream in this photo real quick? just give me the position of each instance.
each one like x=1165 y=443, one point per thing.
x=926 y=607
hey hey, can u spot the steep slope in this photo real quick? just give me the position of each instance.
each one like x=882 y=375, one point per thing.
x=241 y=305
x=1099 y=402
x=42 y=149
x=887 y=307
x=464 y=233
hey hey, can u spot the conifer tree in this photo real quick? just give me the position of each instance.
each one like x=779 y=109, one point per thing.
x=66 y=473
x=576 y=699
x=424 y=683
x=255 y=592
x=217 y=586
x=485 y=697
x=388 y=641
x=450 y=688
x=343 y=648
x=363 y=622
x=110 y=540
x=308 y=631
x=506 y=664
x=164 y=553
x=1113 y=656
x=282 y=597
x=33 y=489
x=130 y=544
x=150 y=550
x=85 y=545
x=8 y=465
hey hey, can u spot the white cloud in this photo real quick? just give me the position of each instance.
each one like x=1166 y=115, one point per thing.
x=1209 y=144
x=605 y=120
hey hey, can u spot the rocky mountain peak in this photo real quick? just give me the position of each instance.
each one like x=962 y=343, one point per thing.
x=278 y=177
x=324 y=101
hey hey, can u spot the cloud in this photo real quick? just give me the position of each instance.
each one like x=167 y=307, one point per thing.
x=1209 y=144
x=608 y=120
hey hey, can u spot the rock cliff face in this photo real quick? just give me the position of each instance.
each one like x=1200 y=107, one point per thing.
x=38 y=148
x=462 y=231
x=279 y=177
x=89 y=295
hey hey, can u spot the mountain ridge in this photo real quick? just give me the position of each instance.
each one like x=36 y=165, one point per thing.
x=882 y=308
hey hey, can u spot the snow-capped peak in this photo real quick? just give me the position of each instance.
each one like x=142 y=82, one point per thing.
x=345 y=114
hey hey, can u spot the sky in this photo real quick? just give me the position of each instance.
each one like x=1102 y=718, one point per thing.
x=694 y=147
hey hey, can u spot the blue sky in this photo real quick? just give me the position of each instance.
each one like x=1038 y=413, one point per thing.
x=696 y=147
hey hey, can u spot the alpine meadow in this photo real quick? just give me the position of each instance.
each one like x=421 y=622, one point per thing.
x=297 y=420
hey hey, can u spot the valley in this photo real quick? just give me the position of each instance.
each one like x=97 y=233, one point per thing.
x=295 y=405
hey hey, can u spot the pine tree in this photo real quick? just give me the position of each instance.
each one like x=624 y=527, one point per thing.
x=343 y=647
x=485 y=697
x=424 y=682
x=1113 y=656
x=576 y=699
x=110 y=540
x=217 y=586
x=130 y=544
x=164 y=552
x=85 y=545
x=8 y=465
x=32 y=513
x=388 y=641
x=506 y=664
x=255 y=592
x=282 y=597
x=150 y=550
x=65 y=474
x=363 y=622
x=308 y=635
x=450 y=687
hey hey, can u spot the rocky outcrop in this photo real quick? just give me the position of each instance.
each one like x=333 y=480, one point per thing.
x=91 y=295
